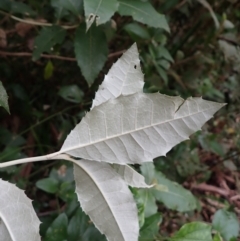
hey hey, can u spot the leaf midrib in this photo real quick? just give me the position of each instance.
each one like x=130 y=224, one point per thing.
x=99 y=4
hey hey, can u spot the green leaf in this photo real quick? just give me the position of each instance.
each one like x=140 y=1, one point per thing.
x=4 y=98
x=217 y=237
x=150 y=228
x=58 y=229
x=226 y=223
x=93 y=234
x=49 y=185
x=60 y=11
x=47 y=38
x=101 y=10
x=91 y=51
x=62 y=174
x=66 y=192
x=149 y=201
x=162 y=52
x=5 y=5
x=80 y=228
x=74 y=6
x=195 y=231
x=48 y=70
x=71 y=93
x=148 y=171
x=143 y=12
x=174 y=196
x=77 y=225
x=19 y=7
x=136 y=31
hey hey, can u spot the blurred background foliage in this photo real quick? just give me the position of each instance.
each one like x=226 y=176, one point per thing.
x=51 y=68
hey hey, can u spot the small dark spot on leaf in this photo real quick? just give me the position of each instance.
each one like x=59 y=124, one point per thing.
x=135 y=66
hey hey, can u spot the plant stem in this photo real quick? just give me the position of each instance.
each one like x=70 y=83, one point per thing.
x=33 y=22
x=53 y=156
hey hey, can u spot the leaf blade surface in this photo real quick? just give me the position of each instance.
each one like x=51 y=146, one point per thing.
x=130 y=176
x=137 y=128
x=124 y=78
x=19 y=221
x=47 y=38
x=101 y=10
x=105 y=197
x=90 y=57
x=143 y=12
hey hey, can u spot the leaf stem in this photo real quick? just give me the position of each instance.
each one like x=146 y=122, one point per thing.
x=53 y=156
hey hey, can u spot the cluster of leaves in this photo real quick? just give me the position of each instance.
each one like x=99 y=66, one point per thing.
x=194 y=64
x=87 y=37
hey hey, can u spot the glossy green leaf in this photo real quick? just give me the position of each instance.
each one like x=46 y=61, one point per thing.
x=91 y=51
x=9 y=139
x=20 y=7
x=137 y=31
x=217 y=237
x=71 y=93
x=195 y=231
x=4 y=98
x=173 y=195
x=101 y=10
x=48 y=70
x=66 y=191
x=58 y=229
x=74 y=6
x=162 y=52
x=143 y=12
x=62 y=174
x=93 y=234
x=77 y=225
x=140 y=206
x=149 y=202
x=148 y=171
x=150 y=228
x=80 y=228
x=60 y=11
x=49 y=185
x=5 y=5
x=227 y=224
x=47 y=38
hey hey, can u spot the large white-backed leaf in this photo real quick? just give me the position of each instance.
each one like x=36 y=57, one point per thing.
x=130 y=176
x=18 y=220
x=105 y=197
x=137 y=128
x=124 y=78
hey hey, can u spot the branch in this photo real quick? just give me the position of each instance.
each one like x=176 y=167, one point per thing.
x=48 y=56
x=208 y=188
x=36 y=23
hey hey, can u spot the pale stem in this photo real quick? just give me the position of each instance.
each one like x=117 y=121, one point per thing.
x=53 y=156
